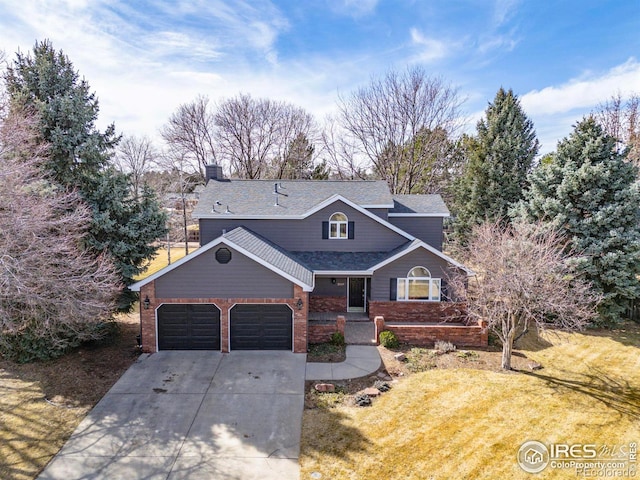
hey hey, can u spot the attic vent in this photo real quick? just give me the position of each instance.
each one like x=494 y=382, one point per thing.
x=223 y=255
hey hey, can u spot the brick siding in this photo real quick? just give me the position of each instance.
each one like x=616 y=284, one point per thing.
x=327 y=303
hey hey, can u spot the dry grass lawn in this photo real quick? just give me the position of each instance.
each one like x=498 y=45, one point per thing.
x=42 y=403
x=161 y=260
x=467 y=423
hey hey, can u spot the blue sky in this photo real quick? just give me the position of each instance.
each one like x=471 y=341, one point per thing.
x=144 y=58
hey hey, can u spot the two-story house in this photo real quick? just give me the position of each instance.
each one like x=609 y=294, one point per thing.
x=275 y=255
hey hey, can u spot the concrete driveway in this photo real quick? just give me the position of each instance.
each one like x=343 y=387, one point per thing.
x=195 y=415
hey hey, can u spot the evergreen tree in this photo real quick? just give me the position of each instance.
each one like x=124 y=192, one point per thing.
x=124 y=226
x=67 y=110
x=78 y=156
x=500 y=157
x=588 y=192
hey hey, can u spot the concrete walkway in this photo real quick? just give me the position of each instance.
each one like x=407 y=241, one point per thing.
x=361 y=360
x=193 y=415
x=360 y=333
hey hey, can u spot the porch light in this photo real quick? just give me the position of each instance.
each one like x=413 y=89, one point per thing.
x=299 y=304
x=147 y=303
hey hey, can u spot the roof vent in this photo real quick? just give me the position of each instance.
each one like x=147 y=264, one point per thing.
x=223 y=255
x=277 y=193
x=227 y=210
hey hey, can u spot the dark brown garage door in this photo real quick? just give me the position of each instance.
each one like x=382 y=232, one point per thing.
x=188 y=327
x=261 y=327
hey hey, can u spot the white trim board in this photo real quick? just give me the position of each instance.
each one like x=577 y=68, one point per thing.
x=214 y=243
x=329 y=201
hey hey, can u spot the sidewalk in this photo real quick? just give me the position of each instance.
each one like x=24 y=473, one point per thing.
x=361 y=360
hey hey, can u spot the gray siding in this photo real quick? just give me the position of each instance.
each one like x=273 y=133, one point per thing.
x=427 y=229
x=380 y=212
x=204 y=277
x=306 y=234
x=324 y=287
x=438 y=267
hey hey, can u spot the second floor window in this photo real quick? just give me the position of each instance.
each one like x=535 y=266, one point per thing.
x=338 y=225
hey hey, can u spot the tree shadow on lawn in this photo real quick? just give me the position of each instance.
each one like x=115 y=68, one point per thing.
x=326 y=432
x=627 y=333
x=25 y=420
x=616 y=393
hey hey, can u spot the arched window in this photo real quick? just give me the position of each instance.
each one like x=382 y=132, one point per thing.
x=338 y=225
x=419 y=286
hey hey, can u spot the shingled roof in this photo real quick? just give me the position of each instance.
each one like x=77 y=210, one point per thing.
x=417 y=205
x=269 y=253
x=295 y=197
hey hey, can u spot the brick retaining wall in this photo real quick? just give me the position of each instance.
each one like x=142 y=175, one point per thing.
x=434 y=312
x=320 y=332
x=427 y=335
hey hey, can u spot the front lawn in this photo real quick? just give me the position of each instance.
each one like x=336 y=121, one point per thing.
x=453 y=422
x=42 y=403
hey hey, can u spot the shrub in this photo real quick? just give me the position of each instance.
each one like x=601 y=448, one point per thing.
x=337 y=338
x=444 y=347
x=420 y=360
x=382 y=386
x=388 y=339
x=362 y=400
x=467 y=355
x=32 y=343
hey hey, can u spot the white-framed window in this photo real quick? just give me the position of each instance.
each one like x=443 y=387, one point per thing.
x=419 y=286
x=338 y=226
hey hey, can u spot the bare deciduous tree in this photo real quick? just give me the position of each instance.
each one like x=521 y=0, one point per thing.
x=254 y=134
x=135 y=156
x=191 y=129
x=621 y=120
x=397 y=123
x=183 y=176
x=340 y=152
x=53 y=293
x=522 y=280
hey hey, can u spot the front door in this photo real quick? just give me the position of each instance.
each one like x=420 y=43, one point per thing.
x=357 y=289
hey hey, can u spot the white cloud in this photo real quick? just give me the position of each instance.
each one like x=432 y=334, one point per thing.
x=585 y=92
x=498 y=42
x=428 y=49
x=556 y=109
x=503 y=11
x=353 y=8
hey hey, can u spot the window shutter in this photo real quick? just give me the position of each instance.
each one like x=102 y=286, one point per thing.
x=325 y=230
x=351 y=230
x=393 y=289
x=444 y=291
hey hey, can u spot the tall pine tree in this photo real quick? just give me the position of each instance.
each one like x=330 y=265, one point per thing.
x=79 y=153
x=500 y=157
x=588 y=192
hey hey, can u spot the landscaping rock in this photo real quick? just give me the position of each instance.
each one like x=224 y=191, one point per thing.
x=371 y=392
x=363 y=400
x=535 y=366
x=325 y=387
x=401 y=357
